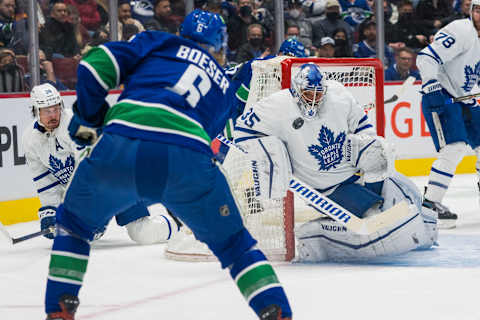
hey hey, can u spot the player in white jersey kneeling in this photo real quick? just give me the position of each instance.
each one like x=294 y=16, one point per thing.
x=320 y=131
x=52 y=157
x=450 y=68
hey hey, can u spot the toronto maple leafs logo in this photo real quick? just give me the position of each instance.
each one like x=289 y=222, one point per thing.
x=472 y=77
x=329 y=153
x=61 y=171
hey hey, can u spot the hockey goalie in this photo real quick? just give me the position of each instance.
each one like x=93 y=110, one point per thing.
x=317 y=131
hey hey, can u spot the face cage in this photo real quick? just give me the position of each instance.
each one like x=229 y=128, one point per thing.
x=311 y=108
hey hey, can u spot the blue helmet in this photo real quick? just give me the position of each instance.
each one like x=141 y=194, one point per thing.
x=205 y=27
x=308 y=88
x=292 y=47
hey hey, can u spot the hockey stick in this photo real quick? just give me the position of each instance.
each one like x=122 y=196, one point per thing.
x=463 y=98
x=335 y=211
x=405 y=85
x=10 y=240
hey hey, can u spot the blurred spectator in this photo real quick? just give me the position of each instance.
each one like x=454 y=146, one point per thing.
x=124 y=19
x=13 y=34
x=47 y=74
x=238 y=24
x=315 y=9
x=11 y=74
x=433 y=12
x=89 y=14
x=161 y=20
x=102 y=8
x=326 y=48
x=408 y=31
x=81 y=33
x=333 y=21
x=296 y=16
x=142 y=10
x=402 y=68
x=57 y=37
x=128 y=31
x=264 y=17
x=292 y=32
x=99 y=37
x=462 y=14
x=366 y=48
x=343 y=49
x=254 y=47
x=354 y=12
x=390 y=11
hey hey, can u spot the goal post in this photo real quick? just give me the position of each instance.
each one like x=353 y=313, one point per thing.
x=272 y=222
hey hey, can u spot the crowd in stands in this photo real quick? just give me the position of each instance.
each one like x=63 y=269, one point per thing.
x=328 y=28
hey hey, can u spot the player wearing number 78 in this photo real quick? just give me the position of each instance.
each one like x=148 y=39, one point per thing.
x=450 y=68
x=155 y=147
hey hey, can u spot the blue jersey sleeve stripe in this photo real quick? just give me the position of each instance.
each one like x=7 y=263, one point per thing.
x=365 y=118
x=114 y=61
x=250 y=131
x=434 y=54
x=43 y=175
x=94 y=74
x=271 y=168
x=363 y=128
x=361 y=152
x=48 y=187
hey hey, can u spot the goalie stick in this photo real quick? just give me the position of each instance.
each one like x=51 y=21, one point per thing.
x=332 y=209
x=10 y=240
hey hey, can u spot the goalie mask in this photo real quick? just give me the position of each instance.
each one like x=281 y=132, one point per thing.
x=308 y=88
x=44 y=96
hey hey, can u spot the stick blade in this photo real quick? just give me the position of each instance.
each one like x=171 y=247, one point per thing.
x=388 y=218
x=5 y=238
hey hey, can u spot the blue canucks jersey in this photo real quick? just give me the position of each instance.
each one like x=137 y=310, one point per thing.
x=175 y=91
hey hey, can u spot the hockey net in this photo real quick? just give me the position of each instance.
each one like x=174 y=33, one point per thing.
x=272 y=222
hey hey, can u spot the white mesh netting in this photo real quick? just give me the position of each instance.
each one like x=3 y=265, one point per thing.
x=268 y=221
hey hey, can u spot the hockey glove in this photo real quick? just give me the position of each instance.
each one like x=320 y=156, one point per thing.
x=47 y=219
x=435 y=98
x=81 y=134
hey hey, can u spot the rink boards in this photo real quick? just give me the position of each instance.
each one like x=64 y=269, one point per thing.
x=405 y=127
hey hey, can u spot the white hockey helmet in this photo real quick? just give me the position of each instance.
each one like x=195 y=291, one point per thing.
x=43 y=96
x=308 y=88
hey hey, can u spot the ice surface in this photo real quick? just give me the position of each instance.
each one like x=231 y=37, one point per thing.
x=127 y=281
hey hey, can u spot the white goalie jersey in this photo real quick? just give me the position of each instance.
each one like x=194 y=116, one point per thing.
x=51 y=158
x=316 y=147
x=453 y=59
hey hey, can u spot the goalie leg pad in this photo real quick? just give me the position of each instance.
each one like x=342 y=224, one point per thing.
x=327 y=240
x=271 y=167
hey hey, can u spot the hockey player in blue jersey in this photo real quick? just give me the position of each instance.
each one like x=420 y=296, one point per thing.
x=450 y=68
x=155 y=147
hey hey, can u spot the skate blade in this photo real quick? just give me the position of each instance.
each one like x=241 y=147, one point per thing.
x=445 y=224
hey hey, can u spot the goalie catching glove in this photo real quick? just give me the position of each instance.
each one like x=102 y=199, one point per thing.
x=271 y=167
x=371 y=154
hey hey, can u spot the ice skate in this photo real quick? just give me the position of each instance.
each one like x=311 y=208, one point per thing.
x=69 y=305
x=272 y=312
x=446 y=218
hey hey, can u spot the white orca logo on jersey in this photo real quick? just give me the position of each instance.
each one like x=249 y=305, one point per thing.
x=472 y=77
x=60 y=170
x=330 y=151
